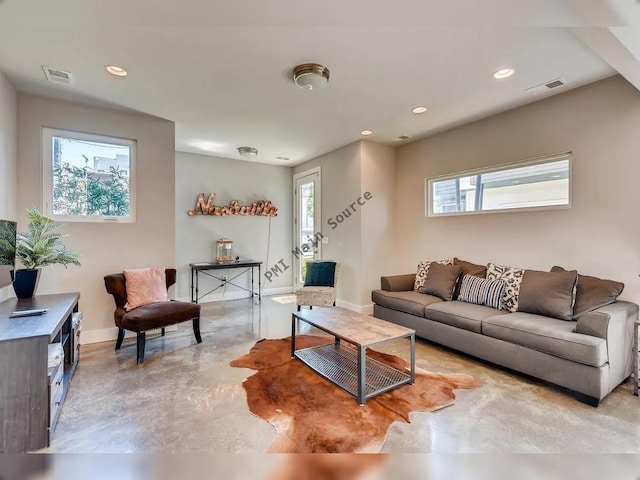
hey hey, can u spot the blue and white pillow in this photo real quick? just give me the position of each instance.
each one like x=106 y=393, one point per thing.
x=482 y=291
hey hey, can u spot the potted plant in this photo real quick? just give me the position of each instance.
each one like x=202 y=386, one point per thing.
x=39 y=246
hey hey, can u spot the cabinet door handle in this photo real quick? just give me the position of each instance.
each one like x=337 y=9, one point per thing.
x=57 y=403
x=58 y=383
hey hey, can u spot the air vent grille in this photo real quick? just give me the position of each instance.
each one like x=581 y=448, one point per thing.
x=401 y=138
x=56 y=75
x=545 y=87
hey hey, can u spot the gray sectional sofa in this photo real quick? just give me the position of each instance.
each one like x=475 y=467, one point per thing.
x=590 y=356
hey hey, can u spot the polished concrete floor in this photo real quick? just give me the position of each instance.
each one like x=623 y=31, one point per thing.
x=186 y=398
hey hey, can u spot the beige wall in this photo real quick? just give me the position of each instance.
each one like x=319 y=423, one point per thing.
x=8 y=157
x=105 y=247
x=598 y=235
x=232 y=180
x=341 y=187
x=378 y=216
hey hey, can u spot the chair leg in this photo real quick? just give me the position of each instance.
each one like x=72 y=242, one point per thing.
x=141 y=341
x=196 y=329
x=162 y=331
x=310 y=307
x=298 y=307
x=334 y=304
x=120 y=338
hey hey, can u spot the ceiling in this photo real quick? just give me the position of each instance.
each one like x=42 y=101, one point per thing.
x=221 y=70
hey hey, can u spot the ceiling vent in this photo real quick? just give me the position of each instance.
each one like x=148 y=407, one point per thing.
x=401 y=138
x=57 y=76
x=545 y=87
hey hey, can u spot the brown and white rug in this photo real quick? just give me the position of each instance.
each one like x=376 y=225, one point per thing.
x=312 y=415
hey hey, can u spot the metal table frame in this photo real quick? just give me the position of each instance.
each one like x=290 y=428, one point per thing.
x=636 y=367
x=202 y=267
x=339 y=364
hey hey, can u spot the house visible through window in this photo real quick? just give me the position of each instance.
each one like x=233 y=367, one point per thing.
x=87 y=177
x=531 y=184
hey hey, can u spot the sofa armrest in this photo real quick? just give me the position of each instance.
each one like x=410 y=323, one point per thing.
x=398 y=283
x=614 y=323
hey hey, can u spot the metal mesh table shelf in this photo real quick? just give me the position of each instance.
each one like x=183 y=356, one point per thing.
x=339 y=364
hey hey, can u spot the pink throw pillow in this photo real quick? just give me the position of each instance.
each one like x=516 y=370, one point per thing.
x=145 y=286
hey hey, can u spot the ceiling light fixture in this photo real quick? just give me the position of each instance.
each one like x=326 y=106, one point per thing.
x=503 y=73
x=419 y=110
x=116 y=70
x=366 y=132
x=311 y=76
x=248 y=151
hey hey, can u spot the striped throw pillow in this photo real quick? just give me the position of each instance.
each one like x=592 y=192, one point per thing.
x=482 y=291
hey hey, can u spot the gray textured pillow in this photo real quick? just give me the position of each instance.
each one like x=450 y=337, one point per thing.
x=593 y=293
x=441 y=280
x=548 y=293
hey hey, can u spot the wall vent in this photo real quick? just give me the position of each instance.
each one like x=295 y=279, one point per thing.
x=56 y=75
x=545 y=87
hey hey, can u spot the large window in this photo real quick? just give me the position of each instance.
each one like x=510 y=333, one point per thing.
x=88 y=177
x=543 y=182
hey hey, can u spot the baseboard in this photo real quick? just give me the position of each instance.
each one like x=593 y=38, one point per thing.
x=110 y=334
x=219 y=297
x=364 y=309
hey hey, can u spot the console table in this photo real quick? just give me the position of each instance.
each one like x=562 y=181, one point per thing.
x=203 y=267
x=31 y=393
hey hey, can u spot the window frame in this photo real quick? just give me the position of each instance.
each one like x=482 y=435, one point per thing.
x=496 y=168
x=47 y=174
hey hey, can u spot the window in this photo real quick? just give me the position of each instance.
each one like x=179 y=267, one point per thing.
x=544 y=182
x=88 y=177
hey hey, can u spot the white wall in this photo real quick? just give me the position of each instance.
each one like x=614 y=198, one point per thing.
x=598 y=236
x=8 y=157
x=105 y=247
x=340 y=172
x=196 y=236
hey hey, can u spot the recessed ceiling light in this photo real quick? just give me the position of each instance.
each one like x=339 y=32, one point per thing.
x=116 y=70
x=419 y=109
x=248 y=151
x=503 y=73
x=366 y=132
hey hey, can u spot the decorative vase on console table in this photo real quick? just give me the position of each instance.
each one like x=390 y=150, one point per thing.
x=39 y=246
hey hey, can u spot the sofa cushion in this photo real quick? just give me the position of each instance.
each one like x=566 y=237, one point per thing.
x=482 y=291
x=460 y=314
x=593 y=293
x=548 y=293
x=423 y=269
x=468 y=268
x=441 y=281
x=548 y=335
x=512 y=277
x=408 y=302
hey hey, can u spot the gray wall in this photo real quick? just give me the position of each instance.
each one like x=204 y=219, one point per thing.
x=598 y=236
x=8 y=157
x=105 y=247
x=341 y=187
x=232 y=180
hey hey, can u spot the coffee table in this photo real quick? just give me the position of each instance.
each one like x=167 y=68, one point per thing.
x=344 y=361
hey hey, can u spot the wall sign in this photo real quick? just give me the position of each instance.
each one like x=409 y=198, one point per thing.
x=263 y=208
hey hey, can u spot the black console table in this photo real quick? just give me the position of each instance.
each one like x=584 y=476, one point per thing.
x=203 y=267
x=31 y=393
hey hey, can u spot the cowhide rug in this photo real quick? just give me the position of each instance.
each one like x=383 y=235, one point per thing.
x=312 y=415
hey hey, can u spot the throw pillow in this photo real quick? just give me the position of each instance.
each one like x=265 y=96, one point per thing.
x=512 y=278
x=468 y=268
x=593 y=293
x=423 y=269
x=548 y=293
x=320 y=274
x=441 y=281
x=145 y=286
x=482 y=291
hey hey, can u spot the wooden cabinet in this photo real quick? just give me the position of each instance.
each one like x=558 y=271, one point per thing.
x=32 y=389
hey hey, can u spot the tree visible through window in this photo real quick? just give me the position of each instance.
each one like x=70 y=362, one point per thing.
x=89 y=176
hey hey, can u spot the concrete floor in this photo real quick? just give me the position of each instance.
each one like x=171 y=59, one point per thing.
x=186 y=398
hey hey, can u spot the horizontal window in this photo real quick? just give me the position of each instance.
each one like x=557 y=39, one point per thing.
x=88 y=177
x=541 y=183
